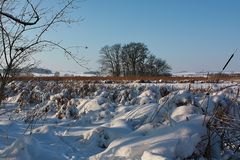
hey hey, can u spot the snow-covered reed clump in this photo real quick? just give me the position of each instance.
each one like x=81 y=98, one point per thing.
x=99 y=121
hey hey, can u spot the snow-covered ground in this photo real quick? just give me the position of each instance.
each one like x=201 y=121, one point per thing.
x=73 y=120
x=201 y=74
x=63 y=74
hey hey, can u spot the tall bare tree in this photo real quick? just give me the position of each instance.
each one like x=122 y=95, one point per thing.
x=116 y=53
x=133 y=57
x=106 y=60
x=110 y=59
x=23 y=28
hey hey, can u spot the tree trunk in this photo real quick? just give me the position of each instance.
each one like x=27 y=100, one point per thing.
x=2 y=95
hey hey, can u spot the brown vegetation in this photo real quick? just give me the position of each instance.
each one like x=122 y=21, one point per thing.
x=140 y=79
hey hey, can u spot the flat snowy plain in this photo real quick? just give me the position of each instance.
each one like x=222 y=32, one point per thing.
x=124 y=121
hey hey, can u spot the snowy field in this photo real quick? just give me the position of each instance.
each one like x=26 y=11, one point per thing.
x=130 y=121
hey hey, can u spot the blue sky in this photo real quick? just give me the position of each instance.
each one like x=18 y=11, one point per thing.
x=191 y=35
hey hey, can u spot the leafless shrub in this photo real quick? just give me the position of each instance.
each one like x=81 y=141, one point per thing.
x=223 y=128
x=23 y=28
x=34 y=115
x=224 y=124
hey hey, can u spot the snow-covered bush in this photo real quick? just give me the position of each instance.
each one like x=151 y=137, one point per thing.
x=125 y=121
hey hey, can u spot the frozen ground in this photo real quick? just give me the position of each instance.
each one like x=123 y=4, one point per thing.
x=73 y=120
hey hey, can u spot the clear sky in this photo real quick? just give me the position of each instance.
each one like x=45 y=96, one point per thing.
x=191 y=35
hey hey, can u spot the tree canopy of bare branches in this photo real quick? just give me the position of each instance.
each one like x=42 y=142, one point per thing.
x=133 y=59
x=110 y=58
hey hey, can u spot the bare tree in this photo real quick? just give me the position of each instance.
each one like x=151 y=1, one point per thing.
x=23 y=28
x=116 y=53
x=110 y=59
x=156 y=66
x=106 y=60
x=133 y=58
x=161 y=67
x=149 y=66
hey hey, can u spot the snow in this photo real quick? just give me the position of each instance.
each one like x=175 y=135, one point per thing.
x=71 y=121
x=167 y=141
x=185 y=112
x=28 y=148
x=63 y=73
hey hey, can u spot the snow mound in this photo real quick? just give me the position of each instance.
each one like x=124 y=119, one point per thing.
x=162 y=142
x=185 y=112
x=28 y=148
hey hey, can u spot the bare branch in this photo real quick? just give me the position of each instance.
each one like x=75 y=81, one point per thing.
x=66 y=52
x=59 y=14
x=26 y=23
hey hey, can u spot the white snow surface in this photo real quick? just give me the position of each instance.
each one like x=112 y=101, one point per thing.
x=72 y=121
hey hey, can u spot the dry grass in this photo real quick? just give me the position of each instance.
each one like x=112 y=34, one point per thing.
x=210 y=79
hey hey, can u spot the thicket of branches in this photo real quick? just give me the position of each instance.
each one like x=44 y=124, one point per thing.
x=24 y=26
x=133 y=59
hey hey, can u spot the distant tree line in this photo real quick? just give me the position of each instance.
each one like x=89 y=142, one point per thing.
x=133 y=59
